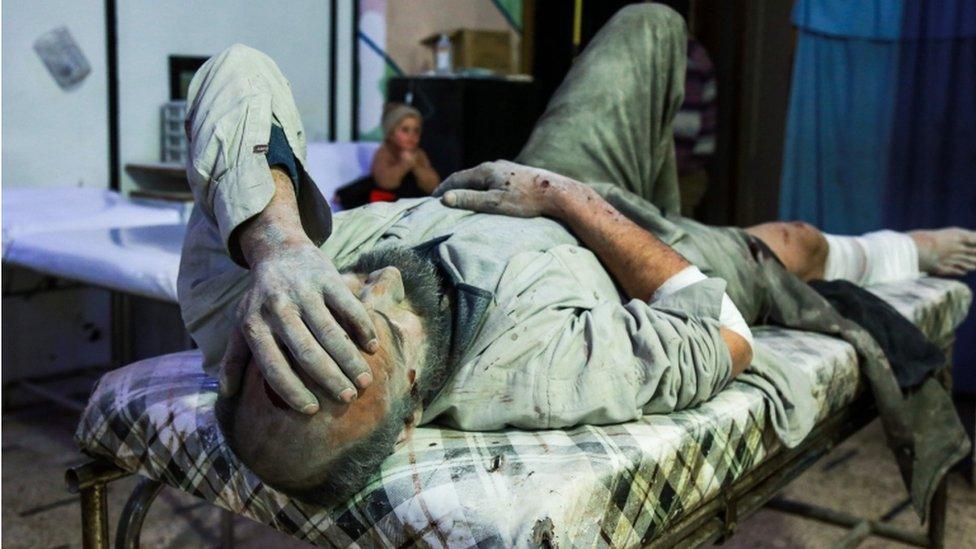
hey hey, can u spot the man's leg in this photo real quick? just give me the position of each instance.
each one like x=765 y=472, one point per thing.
x=876 y=257
x=611 y=119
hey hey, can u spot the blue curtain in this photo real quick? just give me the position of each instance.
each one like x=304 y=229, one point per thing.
x=881 y=129
x=932 y=164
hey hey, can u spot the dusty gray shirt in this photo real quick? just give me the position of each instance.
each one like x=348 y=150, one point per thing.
x=557 y=344
x=547 y=340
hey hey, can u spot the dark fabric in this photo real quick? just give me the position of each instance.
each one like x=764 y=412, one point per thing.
x=355 y=193
x=313 y=209
x=280 y=154
x=409 y=188
x=361 y=191
x=912 y=356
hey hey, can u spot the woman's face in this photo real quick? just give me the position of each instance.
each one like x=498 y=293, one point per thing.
x=406 y=135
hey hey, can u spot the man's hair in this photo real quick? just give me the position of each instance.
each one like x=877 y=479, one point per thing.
x=349 y=471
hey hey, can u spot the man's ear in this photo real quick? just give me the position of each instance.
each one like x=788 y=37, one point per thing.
x=408 y=427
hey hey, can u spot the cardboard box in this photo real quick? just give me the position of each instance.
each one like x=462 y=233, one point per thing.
x=483 y=49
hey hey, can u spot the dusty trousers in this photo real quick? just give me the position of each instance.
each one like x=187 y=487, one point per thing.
x=610 y=125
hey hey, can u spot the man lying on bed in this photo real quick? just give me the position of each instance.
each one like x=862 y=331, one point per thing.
x=480 y=320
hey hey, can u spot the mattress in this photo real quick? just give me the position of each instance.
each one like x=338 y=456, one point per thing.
x=594 y=486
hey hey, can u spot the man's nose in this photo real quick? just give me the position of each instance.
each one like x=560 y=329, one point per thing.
x=389 y=283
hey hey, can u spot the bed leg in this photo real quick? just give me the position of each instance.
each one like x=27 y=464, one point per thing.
x=94 y=517
x=90 y=481
x=135 y=511
x=937 y=515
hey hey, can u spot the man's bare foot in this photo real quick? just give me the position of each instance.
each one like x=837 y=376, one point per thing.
x=946 y=252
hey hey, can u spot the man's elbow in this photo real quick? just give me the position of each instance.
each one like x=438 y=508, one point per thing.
x=739 y=350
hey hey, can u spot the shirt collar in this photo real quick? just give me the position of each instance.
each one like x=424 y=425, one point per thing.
x=469 y=303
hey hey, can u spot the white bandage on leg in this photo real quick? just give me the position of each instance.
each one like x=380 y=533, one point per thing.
x=729 y=317
x=882 y=256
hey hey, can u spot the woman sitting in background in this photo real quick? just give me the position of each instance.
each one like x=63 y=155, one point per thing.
x=400 y=167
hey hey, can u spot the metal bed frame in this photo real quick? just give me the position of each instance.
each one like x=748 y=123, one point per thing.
x=715 y=520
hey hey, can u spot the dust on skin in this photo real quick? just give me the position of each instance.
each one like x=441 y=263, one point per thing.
x=288 y=436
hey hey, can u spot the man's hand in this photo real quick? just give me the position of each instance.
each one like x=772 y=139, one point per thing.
x=506 y=188
x=299 y=304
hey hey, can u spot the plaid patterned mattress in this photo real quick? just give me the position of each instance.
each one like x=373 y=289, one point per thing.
x=591 y=486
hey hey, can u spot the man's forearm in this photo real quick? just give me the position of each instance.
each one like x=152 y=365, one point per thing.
x=637 y=259
x=277 y=226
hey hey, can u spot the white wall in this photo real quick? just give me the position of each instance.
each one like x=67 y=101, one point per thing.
x=293 y=32
x=53 y=137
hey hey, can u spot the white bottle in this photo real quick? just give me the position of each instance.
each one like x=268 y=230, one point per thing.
x=443 y=56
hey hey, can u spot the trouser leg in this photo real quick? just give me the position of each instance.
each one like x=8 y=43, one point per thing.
x=611 y=119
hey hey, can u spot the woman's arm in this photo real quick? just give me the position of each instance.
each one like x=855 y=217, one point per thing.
x=427 y=177
x=389 y=170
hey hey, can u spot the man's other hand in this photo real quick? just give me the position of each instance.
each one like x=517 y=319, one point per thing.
x=506 y=188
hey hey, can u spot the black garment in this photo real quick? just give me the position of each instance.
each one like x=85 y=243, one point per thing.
x=356 y=193
x=280 y=154
x=316 y=219
x=409 y=188
x=912 y=356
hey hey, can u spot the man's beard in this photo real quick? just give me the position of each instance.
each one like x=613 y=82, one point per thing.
x=425 y=291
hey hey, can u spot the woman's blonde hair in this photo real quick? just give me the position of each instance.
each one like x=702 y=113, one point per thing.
x=393 y=113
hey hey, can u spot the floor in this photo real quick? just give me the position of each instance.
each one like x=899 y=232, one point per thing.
x=37 y=511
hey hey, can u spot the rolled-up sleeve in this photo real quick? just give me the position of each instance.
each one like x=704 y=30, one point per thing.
x=233 y=100
x=573 y=353
x=639 y=359
x=680 y=332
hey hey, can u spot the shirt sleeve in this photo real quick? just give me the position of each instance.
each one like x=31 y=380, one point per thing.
x=229 y=125
x=573 y=356
x=639 y=359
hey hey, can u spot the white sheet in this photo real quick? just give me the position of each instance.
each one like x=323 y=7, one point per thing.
x=36 y=210
x=99 y=237
x=332 y=165
x=135 y=260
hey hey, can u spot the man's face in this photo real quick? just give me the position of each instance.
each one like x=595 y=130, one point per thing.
x=394 y=367
x=407 y=134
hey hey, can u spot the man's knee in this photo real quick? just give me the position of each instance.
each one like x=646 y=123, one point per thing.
x=657 y=18
x=239 y=53
x=808 y=238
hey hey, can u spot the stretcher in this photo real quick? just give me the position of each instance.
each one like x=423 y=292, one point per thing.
x=96 y=237
x=680 y=479
x=136 y=260
x=30 y=211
